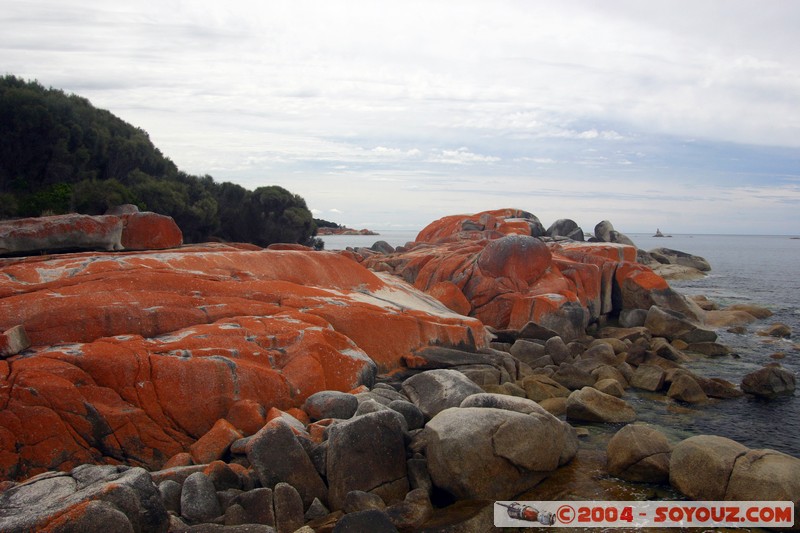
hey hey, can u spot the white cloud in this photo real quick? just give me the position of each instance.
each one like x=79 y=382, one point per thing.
x=396 y=153
x=608 y=135
x=460 y=156
x=539 y=160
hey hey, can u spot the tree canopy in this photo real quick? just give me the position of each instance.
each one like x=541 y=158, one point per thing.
x=60 y=154
x=322 y=223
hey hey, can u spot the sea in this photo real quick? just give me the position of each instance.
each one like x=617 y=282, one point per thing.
x=393 y=237
x=753 y=269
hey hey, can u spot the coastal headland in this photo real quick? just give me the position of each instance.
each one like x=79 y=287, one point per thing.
x=149 y=385
x=344 y=231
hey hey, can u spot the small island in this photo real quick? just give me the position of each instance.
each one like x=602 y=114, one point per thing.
x=659 y=234
x=344 y=231
x=325 y=227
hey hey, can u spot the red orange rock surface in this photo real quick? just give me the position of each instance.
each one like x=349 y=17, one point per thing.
x=486 y=224
x=128 y=231
x=508 y=277
x=149 y=231
x=135 y=356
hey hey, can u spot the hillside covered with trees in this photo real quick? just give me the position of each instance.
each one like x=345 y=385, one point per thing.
x=60 y=154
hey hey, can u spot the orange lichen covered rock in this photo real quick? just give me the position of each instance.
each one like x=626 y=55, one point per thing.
x=178 y=460
x=505 y=282
x=149 y=231
x=60 y=232
x=247 y=416
x=583 y=251
x=516 y=257
x=132 y=231
x=137 y=355
x=451 y=296
x=641 y=288
x=486 y=224
x=215 y=443
x=509 y=277
x=89 y=498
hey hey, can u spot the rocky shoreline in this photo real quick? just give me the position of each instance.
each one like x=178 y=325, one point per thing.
x=225 y=388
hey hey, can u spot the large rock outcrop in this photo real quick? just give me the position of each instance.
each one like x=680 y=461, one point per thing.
x=493 y=266
x=565 y=227
x=137 y=355
x=130 y=230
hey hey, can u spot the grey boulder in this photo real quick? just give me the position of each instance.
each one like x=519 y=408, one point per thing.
x=367 y=453
x=772 y=380
x=436 y=390
x=489 y=453
x=591 y=405
x=639 y=453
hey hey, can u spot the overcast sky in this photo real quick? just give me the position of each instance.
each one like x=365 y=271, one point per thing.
x=681 y=115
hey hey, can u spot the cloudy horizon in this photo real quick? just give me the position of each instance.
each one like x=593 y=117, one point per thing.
x=679 y=115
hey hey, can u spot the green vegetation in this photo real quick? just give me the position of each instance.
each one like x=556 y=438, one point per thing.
x=60 y=154
x=320 y=223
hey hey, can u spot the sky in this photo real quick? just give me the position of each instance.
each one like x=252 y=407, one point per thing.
x=678 y=115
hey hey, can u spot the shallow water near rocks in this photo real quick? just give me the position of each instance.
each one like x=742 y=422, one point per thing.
x=761 y=270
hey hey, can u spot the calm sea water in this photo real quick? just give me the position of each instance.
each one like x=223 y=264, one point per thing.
x=762 y=270
x=393 y=237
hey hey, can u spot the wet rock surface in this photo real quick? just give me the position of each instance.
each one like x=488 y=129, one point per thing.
x=770 y=381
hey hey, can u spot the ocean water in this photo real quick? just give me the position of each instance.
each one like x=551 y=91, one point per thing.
x=762 y=270
x=394 y=237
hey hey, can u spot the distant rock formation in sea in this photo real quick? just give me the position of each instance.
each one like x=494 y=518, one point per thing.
x=674 y=264
x=321 y=232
